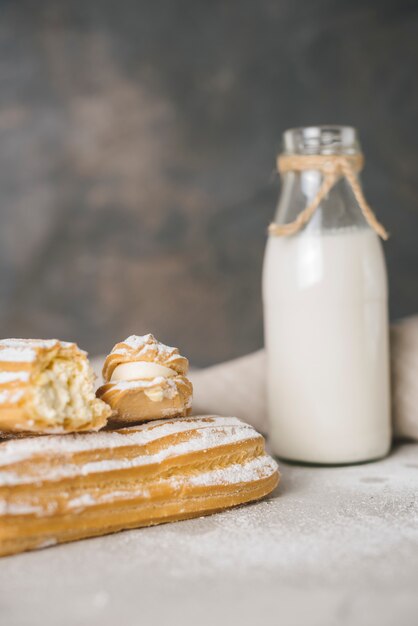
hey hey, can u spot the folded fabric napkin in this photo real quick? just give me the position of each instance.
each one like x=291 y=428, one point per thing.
x=237 y=387
x=404 y=366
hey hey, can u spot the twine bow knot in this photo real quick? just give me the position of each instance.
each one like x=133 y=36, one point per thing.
x=332 y=168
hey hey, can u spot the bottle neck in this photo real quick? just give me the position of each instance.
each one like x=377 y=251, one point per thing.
x=337 y=210
x=321 y=190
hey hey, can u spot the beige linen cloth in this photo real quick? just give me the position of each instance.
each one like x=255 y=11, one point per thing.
x=237 y=387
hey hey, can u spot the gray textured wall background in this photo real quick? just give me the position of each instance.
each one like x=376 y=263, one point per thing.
x=137 y=147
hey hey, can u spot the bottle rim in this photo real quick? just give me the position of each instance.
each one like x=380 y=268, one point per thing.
x=323 y=139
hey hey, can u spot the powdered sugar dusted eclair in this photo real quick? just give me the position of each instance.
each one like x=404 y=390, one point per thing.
x=57 y=489
x=146 y=380
x=47 y=386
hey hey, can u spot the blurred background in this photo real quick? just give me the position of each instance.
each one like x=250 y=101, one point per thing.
x=137 y=153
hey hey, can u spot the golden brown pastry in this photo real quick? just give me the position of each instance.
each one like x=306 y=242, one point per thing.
x=47 y=386
x=146 y=380
x=60 y=488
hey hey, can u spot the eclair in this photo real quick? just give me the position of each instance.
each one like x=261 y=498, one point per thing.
x=47 y=386
x=56 y=489
x=145 y=380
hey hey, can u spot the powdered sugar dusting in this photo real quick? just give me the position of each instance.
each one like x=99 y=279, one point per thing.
x=20 y=449
x=331 y=546
x=83 y=501
x=205 y=439
x=255 y=469
x=336 y=528
x=86 y=499
x=138 y=342
x=251 y=471
x=17 y=355
x=24 y=343
x=24 y=350
x=148 y=343
x=9 y=396
x=10 y=377
x=8 y=508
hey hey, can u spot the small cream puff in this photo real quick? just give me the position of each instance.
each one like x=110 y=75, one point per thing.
x=145 y=380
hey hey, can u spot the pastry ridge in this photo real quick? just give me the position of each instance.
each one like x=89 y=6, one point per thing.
x=144 y=348
x=57 y=489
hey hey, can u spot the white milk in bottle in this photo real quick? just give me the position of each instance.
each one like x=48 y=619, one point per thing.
x=325 y=312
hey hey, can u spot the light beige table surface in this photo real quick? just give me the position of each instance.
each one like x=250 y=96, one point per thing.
x=332 y=546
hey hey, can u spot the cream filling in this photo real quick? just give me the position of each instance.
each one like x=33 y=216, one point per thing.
x=155 y=395
x=141 y=370
x=64 y=391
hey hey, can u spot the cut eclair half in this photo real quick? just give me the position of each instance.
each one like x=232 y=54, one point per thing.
x=47 y=386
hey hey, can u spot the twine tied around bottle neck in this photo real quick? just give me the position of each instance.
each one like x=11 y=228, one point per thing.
x=332 y=167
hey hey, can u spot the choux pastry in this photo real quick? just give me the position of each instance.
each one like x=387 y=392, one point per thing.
x=47 y=386
x=55 y=489
x=145 y=380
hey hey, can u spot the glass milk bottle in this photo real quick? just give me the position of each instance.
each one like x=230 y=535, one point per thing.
x=325 y=307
